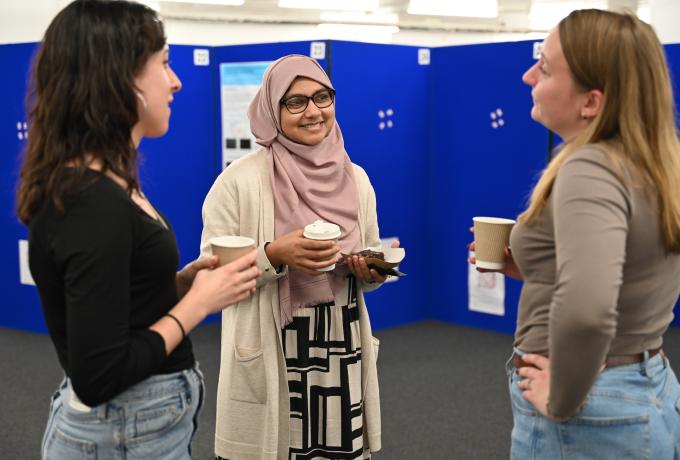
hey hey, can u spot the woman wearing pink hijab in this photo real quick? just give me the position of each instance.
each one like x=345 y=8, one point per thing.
x=298 y=373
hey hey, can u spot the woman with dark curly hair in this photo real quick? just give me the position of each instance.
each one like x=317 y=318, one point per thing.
x=103 y=258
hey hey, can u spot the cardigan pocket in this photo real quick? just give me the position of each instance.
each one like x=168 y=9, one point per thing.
x=376 y=347
x=248 y=382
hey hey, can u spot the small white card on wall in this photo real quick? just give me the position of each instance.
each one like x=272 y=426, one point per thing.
x=423 y=56
x=486 y=292
x=201 y=56
x=24 y=272
x=317 y=50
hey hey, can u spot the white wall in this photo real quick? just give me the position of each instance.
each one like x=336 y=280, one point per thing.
x=215 y=33
x=665 y=17
x=26 y=21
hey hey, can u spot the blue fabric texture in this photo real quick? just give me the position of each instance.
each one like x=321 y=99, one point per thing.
x=632 y=412
x=156 y=418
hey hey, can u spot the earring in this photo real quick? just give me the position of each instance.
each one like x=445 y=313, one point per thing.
x=583 y=116
x=140 y=96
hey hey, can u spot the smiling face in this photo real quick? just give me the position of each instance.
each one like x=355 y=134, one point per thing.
x=311 y=126
x=558 y=101
x=156 y=85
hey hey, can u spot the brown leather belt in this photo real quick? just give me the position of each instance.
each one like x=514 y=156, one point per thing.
x=611 y=361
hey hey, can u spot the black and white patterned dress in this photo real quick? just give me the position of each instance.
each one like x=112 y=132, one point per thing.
x=322 y=346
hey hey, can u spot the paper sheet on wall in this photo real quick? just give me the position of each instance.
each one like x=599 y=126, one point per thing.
x=24 y=271
x=486 y=292
x=239 y=82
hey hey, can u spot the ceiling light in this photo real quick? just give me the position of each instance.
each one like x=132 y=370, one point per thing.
x=338 y=5
x=545 y=15
x=644 y=13
x=359 y=17
x=357 y=32
x=462 y=8
x=208 y=2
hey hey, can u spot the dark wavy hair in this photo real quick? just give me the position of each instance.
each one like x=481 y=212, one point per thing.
x=81 y=102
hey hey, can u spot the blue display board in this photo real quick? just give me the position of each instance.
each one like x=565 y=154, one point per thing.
x=424 y=133
x=474 y=168
x=383 y=86
x=673 y=57
x=20 y=307
x=256 y=53
x=176 y=173
x=177 y=169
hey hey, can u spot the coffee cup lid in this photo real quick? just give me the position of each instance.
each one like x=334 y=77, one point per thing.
x=493 y=220
x=320 y=230
x=232 y=241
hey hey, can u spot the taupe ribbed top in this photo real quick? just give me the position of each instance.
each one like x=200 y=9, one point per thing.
x=597 y=280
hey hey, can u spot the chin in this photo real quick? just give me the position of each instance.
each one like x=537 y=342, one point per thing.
x=315 y=141
x=158 y=132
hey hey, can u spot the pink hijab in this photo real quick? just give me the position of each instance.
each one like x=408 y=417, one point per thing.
x=310 y=182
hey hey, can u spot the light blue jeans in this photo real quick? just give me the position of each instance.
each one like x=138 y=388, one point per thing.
x=632 y=412
x=154 y=419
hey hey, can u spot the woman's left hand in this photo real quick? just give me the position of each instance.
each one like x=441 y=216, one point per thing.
x=359 y=268
x=536 y=384
x=185 y=277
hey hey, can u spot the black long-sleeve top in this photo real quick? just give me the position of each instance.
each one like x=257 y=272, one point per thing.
x=105 y=272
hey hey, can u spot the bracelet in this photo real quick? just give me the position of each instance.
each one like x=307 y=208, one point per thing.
x=181 y=328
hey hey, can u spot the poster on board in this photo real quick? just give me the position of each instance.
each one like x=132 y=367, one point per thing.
x=486 y=291
x=239 y=82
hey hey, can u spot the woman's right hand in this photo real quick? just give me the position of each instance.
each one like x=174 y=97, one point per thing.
x=301 y=253
x=510 y=269
x=227 y=285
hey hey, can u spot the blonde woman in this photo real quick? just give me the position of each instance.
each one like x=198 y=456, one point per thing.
x=598 y=250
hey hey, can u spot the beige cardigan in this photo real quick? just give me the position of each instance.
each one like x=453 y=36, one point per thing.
x=252 y=396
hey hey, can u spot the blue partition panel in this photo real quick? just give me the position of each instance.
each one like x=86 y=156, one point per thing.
x=423 y=133
x=261 y=52
x=476 y=169
x=242 y=53
x=20 y=307
x=673 y=56
x=385 y=79
x=177 y=169
x=176 y=173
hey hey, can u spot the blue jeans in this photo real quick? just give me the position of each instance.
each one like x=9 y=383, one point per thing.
x=632 y=412
x=154 y=419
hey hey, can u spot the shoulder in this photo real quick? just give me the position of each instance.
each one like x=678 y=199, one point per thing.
x=244 y=177
x=595 y=161
x=589 y=153
x=245 y=169
x=100 y=213
x=98 y=197
x=595 y=171
x=252 y=162
x=360 y=176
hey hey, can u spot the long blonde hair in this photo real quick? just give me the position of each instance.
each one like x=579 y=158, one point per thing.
x=621 y=56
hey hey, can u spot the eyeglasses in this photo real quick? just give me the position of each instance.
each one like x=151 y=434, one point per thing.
x=298 y=103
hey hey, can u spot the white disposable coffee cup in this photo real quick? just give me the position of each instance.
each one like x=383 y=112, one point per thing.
x=492 y=235
x=323 y=231
x=230 y=248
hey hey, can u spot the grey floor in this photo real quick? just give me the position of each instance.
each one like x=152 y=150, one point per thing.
x=443 y=391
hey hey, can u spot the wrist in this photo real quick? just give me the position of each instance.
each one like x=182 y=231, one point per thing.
x=271 y=251
x=192 y=309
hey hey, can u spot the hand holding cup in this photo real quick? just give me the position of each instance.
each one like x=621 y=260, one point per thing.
x=491 y=246
x=304 y=254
